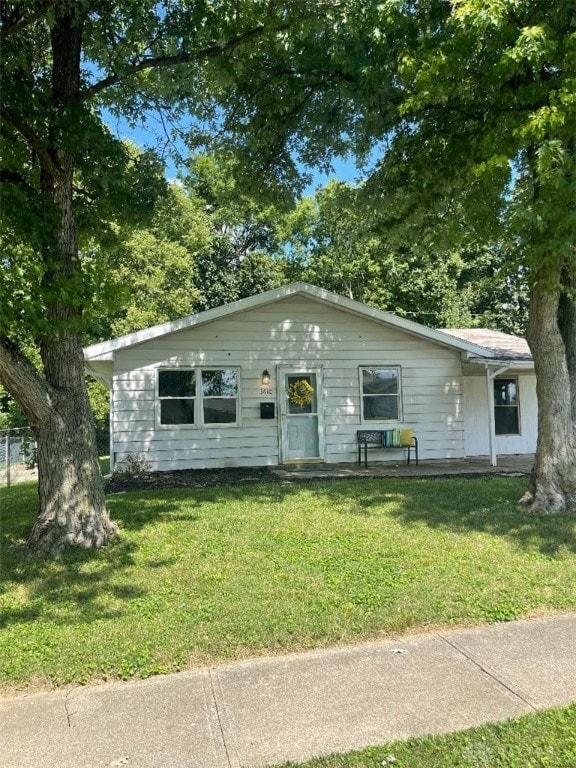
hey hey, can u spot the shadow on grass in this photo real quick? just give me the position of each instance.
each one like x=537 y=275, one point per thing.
x=62 y=591
x=486 y=505
x=81 y=586
x=78 y=578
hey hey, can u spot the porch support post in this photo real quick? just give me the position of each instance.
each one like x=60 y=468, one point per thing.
x=490 y=376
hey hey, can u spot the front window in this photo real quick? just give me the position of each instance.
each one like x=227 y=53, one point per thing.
x=380 y=394
x=177 y=393
x=506 y=407
x=198 y=396
x=220 y=396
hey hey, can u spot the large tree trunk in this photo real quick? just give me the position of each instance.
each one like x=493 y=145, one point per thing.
x=72 y=507
x=553 y=483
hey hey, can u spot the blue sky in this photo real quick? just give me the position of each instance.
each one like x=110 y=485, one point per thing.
x=151 y=134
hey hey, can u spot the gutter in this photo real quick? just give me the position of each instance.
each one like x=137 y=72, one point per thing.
x=522 y=364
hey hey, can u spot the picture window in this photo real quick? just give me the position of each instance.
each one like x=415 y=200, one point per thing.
x=199 y=397
x=380 y=388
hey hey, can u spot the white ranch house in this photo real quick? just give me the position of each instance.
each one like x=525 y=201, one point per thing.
x=212 y=389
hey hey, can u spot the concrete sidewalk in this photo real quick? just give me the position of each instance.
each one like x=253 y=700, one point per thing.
x=269 y=710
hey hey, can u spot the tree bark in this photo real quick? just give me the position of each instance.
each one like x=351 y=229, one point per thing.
x=72 y=506
x=567 y=325
x=553 y=483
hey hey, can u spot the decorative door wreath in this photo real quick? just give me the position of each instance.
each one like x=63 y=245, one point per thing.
x=301 y=393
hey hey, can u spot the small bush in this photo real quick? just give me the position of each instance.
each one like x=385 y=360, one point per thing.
x=135 y=466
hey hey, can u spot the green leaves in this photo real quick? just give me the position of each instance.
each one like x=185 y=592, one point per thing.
x=454 y=95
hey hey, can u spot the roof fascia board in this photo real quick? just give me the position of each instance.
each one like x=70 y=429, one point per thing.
x=104 y=349
x=104 y=376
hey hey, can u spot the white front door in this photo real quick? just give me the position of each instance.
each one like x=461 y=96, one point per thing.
x=301 y=423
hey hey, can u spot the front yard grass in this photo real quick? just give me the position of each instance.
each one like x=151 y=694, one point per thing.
x=202 y=576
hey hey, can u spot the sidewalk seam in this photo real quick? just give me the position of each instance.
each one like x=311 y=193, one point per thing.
x=233 y=761
x=69 y=714
x=509 y=686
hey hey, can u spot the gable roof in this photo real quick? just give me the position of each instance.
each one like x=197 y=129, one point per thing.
x=105 y=349
x=502 y=346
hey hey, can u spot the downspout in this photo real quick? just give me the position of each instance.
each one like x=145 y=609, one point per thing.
x=490 y=376
x=111 y=419
x=111 y=432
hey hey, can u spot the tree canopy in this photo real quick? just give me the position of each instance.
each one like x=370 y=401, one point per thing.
x=467 y=113
x=67 y=183
x=464 y=113
x=338 y=241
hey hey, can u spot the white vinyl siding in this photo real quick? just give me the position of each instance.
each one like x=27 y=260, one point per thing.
x=477 y=423
x=299 y=333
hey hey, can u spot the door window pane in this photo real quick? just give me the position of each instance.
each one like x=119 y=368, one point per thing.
x=295 y=408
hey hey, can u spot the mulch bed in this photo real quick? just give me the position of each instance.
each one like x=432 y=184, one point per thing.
x=190 y=478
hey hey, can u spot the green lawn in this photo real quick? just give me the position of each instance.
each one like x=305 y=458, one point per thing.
x=202 y=576
x=544 y=740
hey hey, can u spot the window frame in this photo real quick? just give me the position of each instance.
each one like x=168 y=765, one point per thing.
x=161 y=398
x=516 y=381
x=198 y=397
x=380 y=367
x=203 y=398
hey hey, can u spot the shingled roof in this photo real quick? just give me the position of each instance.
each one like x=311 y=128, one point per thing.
x=501 y=346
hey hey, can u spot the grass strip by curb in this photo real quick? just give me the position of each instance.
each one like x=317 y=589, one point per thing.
x=543 y=740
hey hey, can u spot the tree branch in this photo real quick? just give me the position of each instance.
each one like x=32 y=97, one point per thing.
x=24 y=382
x=184 y=57
x=13 y=177
x=32 y=139
x=22 y=23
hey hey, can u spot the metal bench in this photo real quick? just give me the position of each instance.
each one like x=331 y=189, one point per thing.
x=375 y=438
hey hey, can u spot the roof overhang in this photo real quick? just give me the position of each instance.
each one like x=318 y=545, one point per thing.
x=523 y=364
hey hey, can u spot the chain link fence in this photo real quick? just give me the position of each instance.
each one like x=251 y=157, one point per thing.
x=103 y=436
x=18 y=451
x=17 y=455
